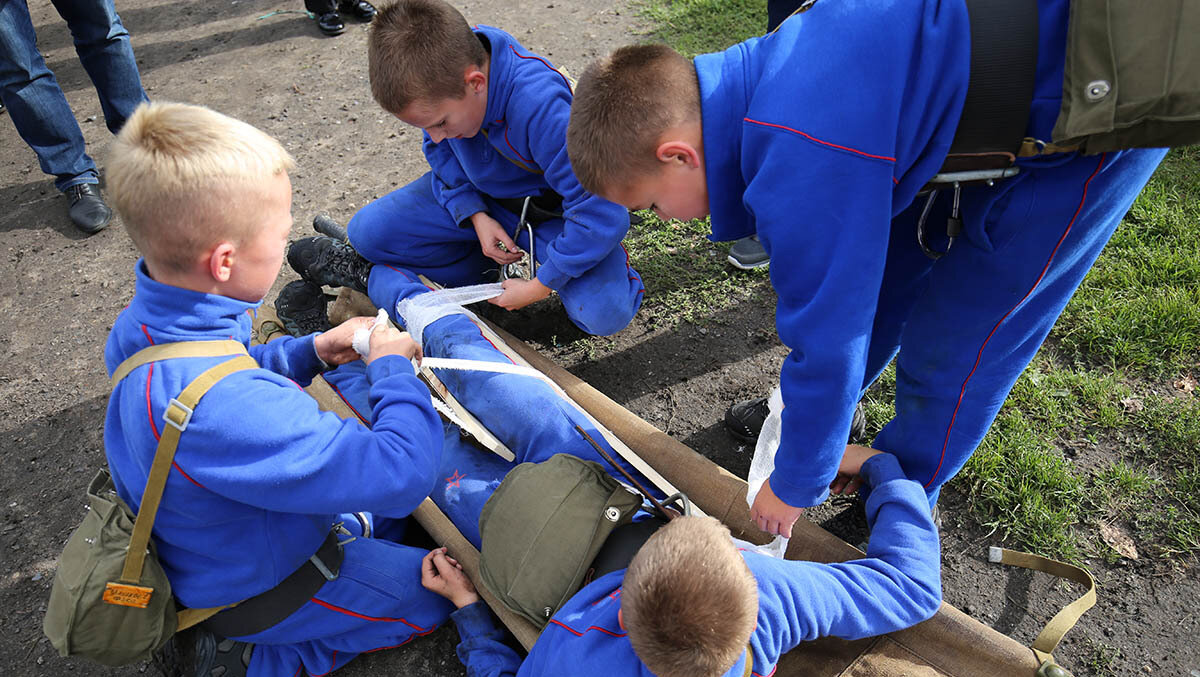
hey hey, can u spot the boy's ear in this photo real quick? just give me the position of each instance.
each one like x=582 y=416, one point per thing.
x=475 y=78
x=221 y=260
x=678 y=152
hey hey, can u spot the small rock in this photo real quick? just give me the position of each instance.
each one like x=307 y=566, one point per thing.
x=90 y=118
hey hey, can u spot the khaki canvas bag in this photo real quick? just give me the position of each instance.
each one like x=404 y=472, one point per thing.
x=111 y=601
x=542 y=528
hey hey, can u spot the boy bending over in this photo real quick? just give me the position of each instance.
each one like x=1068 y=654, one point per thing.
x=818 y=137
x=494 y=117
x=261 y=477
x=693 y=602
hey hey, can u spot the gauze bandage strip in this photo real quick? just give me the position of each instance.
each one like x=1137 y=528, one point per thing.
x=764 y=464
x=361 y=341
x=423 y=310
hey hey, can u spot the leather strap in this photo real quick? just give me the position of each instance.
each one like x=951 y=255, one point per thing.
x=662 y=510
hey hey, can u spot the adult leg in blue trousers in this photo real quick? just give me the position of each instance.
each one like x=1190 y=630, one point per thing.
x=407 y=228
x=965 y=326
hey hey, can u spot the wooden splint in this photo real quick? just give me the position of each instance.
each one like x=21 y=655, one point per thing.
x=950 y=643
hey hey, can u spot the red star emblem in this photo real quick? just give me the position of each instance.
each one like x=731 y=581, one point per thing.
x=453 y=479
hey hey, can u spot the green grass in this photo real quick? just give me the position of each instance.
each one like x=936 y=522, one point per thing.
x=1095 y=431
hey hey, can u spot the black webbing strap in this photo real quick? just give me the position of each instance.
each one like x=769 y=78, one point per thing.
x=1004 y=37
x=269 y=608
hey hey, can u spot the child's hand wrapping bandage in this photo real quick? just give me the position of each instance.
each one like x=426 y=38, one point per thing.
x=362 y=337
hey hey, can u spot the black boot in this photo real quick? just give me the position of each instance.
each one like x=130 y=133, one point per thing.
x=302 y=308
x=744 y=420
x=220 y=657
x=326 y=261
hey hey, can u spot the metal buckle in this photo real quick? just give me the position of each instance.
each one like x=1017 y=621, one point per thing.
x=516 y=270
x=187 y=414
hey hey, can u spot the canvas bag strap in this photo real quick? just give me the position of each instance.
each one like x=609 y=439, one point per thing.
x=168 y=351
x=177 y=417
x=1047 y=641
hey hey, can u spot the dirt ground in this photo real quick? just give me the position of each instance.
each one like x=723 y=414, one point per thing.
x=62 y=291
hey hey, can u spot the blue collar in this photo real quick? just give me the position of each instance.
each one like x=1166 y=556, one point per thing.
x=184 y=315
x=723 y=105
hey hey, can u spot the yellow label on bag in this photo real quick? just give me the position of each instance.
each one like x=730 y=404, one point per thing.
x=123 y=594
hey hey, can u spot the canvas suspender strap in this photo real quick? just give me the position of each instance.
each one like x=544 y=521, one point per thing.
x=177 y=416
x=168 y=351
x=749 y=661
x=1065 y=619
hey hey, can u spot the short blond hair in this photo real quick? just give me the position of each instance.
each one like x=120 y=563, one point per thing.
x=172 y=171
x=418 y=51
x=689 y=602
x=623 y=104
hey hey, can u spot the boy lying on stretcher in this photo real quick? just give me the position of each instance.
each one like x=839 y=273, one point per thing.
x=692 y=601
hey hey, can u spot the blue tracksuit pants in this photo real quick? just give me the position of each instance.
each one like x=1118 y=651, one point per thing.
x=965 y=326
x=408 y=228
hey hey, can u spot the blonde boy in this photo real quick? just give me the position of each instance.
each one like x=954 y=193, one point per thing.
x=261 y=477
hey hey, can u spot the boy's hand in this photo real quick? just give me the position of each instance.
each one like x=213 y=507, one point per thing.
x=771 y=514
x=334 y=346
x=520 y=293
x=440 y=573
x=848 y=479
x=388 y=340
x=491 y=235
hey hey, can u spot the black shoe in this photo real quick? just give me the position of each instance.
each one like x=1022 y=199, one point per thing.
x=858 y=426
x=302 y=308
x=88 y=211
x=744 y=420
x=330 y=23
x=326 y=261
x=220 y=657
x=748 y=254
x=359 y=9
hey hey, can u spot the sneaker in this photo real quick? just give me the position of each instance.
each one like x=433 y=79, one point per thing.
x=326 y=261
x=748 y=253
x=88 y=211
x=302 y=308
x=220 y=657
x=744 y=420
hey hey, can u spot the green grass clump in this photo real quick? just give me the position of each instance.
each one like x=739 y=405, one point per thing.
x=697 y=26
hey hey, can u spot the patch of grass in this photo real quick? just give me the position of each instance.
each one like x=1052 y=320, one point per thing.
x=1140 y=304
x=1101 y=658
x=696 y=26
x=686 y=276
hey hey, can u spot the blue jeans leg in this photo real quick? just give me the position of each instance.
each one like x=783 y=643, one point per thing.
x=36 y=103
x=104 y=50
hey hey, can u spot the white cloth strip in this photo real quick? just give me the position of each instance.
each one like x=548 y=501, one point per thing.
x=422 y=310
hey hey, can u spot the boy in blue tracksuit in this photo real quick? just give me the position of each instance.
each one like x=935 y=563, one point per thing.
x=766 y=604
x=494 y=117
x=818 y=138
x=260 y=476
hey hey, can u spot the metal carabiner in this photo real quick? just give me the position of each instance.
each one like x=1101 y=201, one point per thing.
x=514 y=270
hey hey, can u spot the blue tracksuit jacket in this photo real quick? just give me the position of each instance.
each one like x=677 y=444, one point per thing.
x=519 y=151
x=896 y=586
x=818 y=137
x=260 y=476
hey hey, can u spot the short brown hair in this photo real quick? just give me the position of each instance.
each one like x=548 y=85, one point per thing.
x=418 y=50
x=173 y=170
x=689 y=602
x=623 y=104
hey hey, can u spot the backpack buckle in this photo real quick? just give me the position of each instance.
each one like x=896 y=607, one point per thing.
x=178 y=415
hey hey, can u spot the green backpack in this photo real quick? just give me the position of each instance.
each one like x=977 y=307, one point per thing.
x=111 y=601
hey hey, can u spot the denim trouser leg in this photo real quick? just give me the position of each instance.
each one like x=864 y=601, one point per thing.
x=36 y=103
x=104 y=50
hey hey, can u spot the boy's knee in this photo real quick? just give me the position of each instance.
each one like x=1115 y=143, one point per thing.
x=603 y=318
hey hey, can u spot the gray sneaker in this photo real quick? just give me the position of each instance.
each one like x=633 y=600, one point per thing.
x=748 y=253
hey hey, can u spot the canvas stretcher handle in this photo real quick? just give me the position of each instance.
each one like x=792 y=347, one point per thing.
x=1047 y=641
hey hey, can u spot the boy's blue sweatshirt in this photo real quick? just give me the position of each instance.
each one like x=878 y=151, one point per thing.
x=815 y=136
x=897 y=585
x=521 y=150
x=260 y=474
